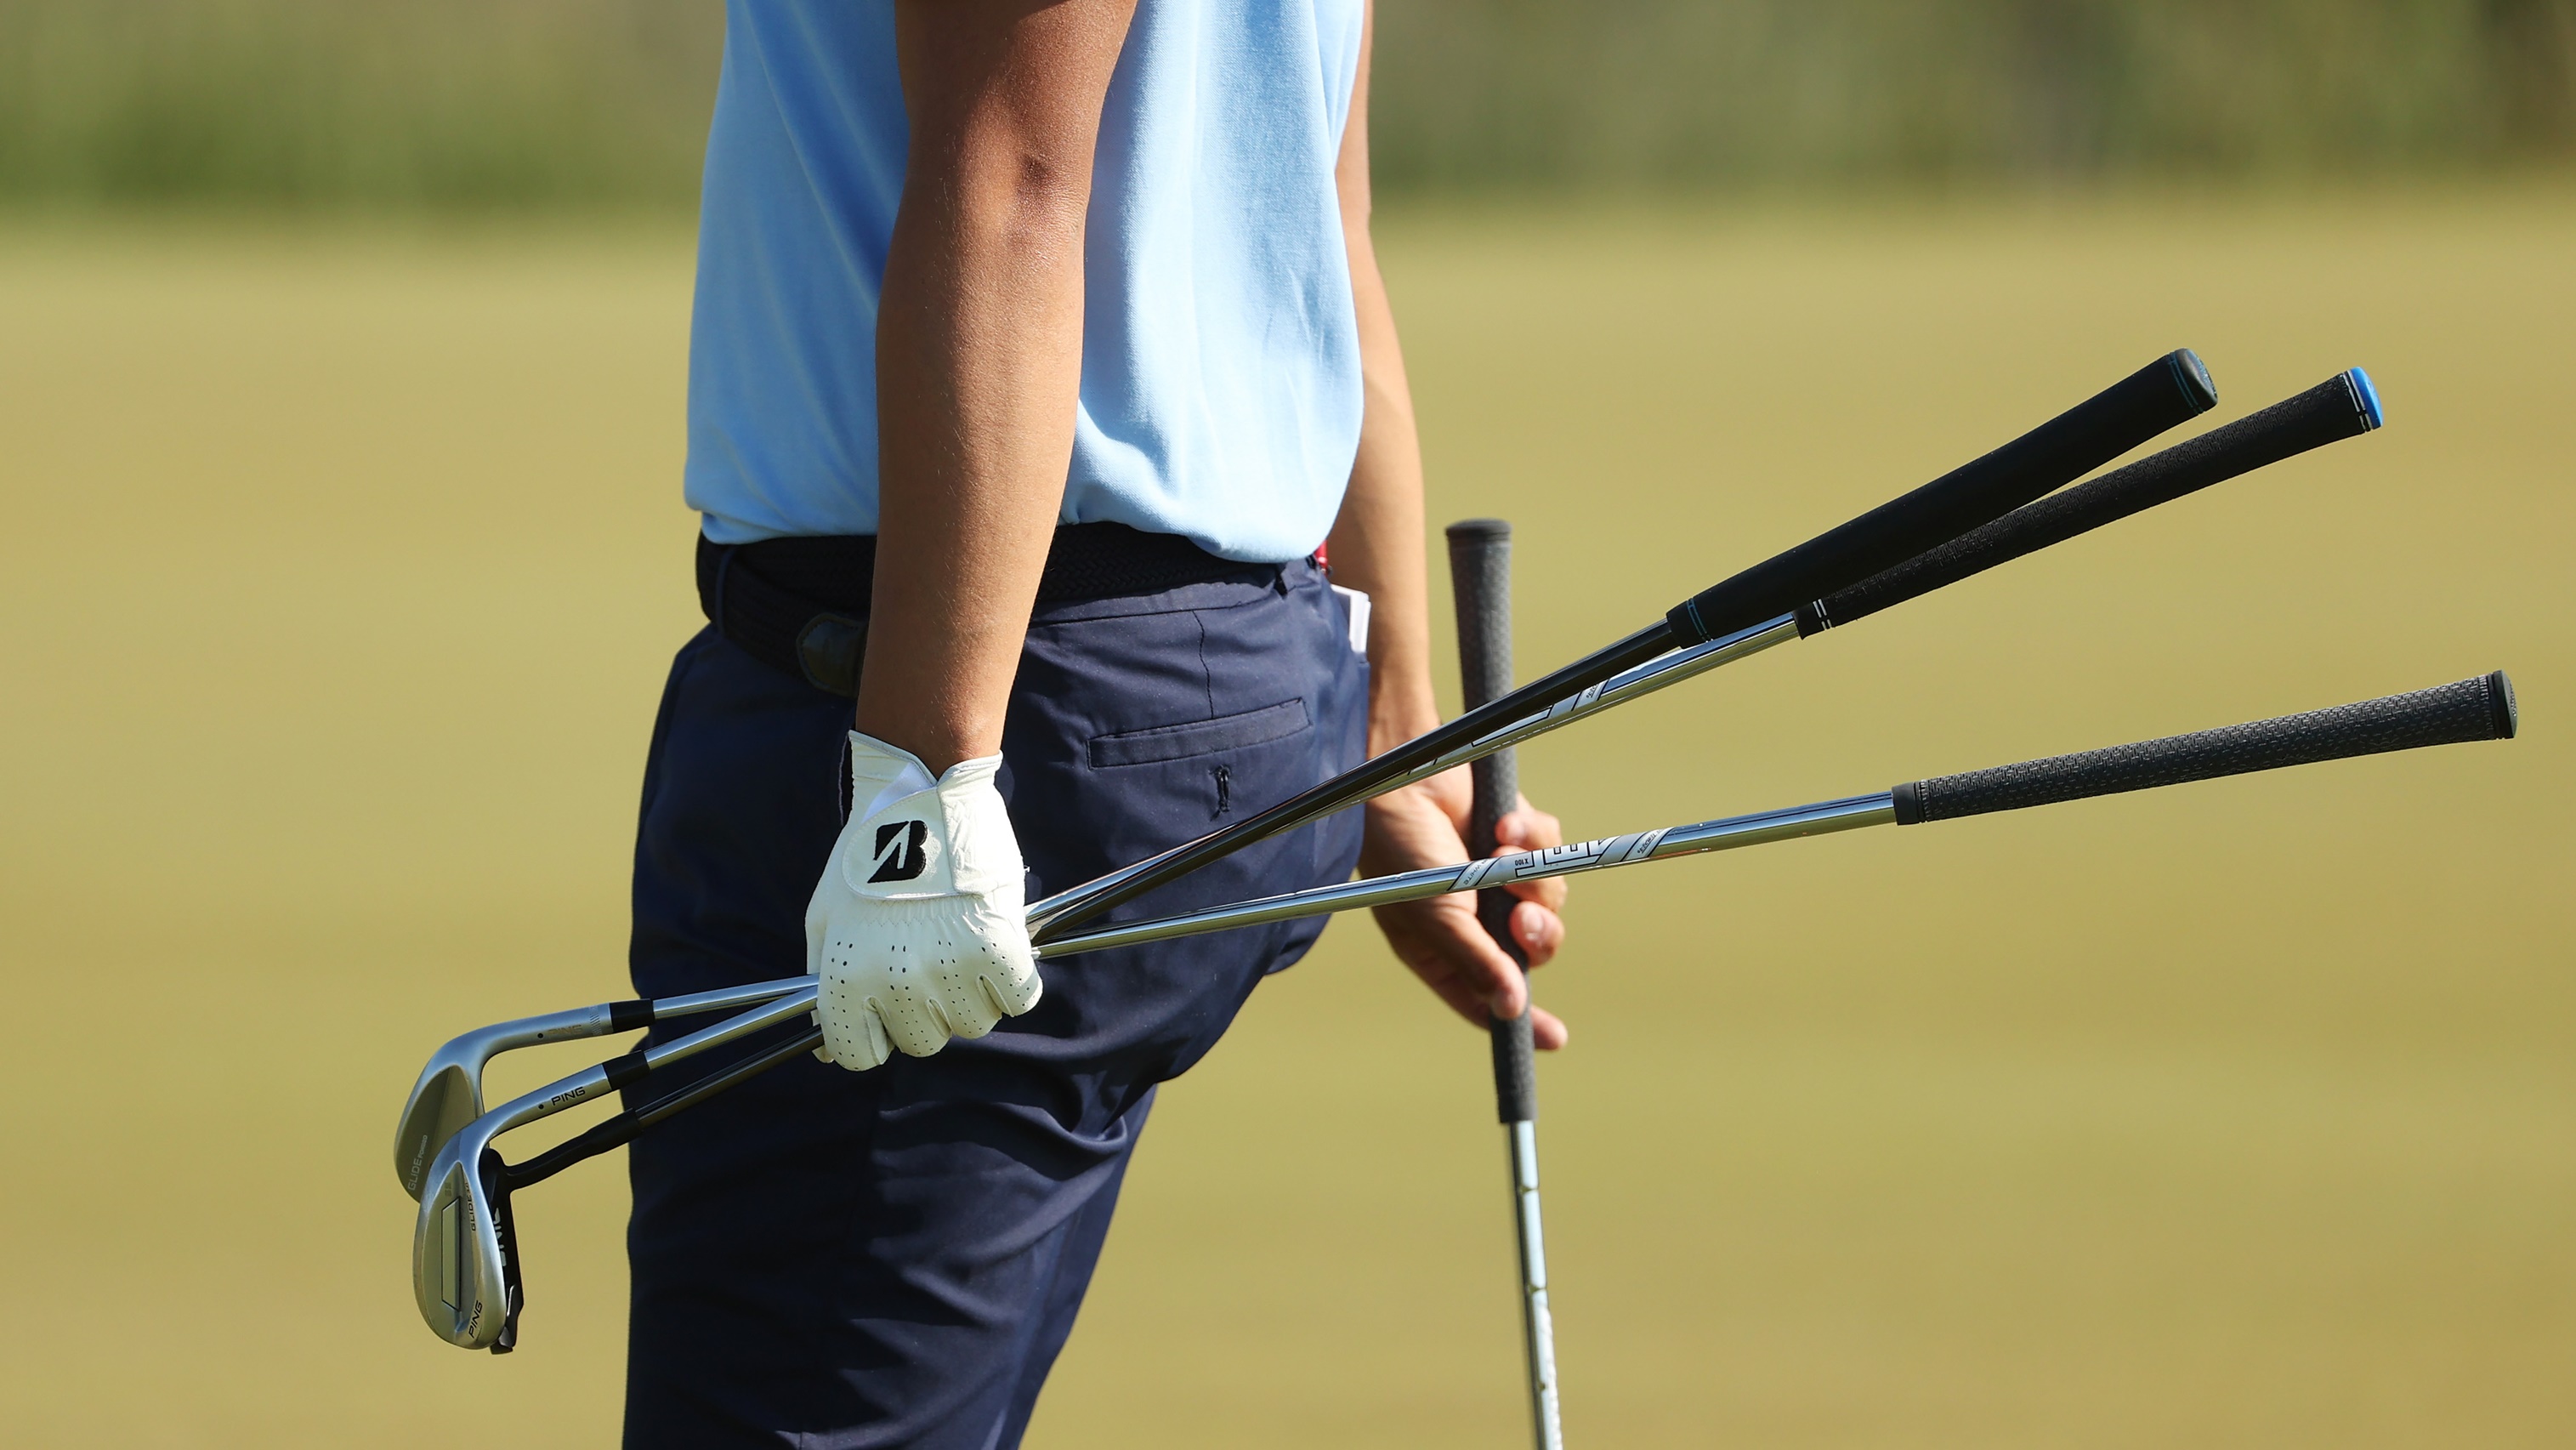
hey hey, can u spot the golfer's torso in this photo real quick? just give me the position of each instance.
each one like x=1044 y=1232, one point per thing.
x=1220 y=382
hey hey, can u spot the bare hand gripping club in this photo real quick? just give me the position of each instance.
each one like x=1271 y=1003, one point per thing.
x=465 y=1277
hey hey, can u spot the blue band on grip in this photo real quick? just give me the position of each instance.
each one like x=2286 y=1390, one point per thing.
x=2192 y=376
x=2365 y=395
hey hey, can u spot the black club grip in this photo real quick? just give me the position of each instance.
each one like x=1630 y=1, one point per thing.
x=2058 y=452
x=2343 y=406
x=1480 y=574
x=2474 y=709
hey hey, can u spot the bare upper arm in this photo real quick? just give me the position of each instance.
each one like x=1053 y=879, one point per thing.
x=1351 y=167
x=1004 y=96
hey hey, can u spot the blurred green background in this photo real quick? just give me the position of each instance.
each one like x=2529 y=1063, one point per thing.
x=341 y=361
x=483 y=103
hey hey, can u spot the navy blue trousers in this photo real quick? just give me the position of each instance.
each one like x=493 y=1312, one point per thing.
x=827 y=1258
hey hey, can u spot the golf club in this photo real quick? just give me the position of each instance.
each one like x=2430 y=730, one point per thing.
x=2148 y=402
x=449 y=1094
x=1480 y=577
x=457 y=1254
x=2481 y=708
x=2343 y=406
x=461 y=1271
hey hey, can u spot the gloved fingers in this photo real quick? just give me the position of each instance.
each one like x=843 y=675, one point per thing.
x=985 y=972
x=850 y=1012
x=908 y=1003
x=823 y=1052
x=975 y=996
x=1006 y=979
x=963 y=1003
x=1011 y=989
x=957 y=956
x=855 y=1037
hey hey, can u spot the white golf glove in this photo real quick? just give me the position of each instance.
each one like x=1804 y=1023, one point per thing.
x=917 y=927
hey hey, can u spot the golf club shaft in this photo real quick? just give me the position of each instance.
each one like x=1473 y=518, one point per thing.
x=2473 y=709
x=2155 y=398
x=2480 y=708
x=612 y=1132
x=630 y=1068
x=607 y=1019
x=1480 y=573
x=449 y=1091
x=2219 y=454
x=2343 y=406
x=2141 y=405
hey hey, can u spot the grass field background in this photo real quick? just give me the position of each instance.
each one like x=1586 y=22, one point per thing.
x=342 y=568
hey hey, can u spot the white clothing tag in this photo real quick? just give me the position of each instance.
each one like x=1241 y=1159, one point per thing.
x=1358 y=604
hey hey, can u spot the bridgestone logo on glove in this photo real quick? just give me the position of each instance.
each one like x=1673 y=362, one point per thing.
x=917 y=928
x=899 y=856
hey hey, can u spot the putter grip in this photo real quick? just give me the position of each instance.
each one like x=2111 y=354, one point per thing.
x=2474 y=709
x=2058 y=452
x=2343 y=406
x=1480 y=571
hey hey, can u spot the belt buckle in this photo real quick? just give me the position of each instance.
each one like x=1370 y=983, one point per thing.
x=829 y=649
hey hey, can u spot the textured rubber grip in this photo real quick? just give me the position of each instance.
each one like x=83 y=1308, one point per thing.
x=2475 y=709
x=2056 y=453
x=1480 y=574
x=2343 y=406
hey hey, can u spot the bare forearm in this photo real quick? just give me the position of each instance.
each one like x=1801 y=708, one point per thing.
x=979 y=356
x=978 y=350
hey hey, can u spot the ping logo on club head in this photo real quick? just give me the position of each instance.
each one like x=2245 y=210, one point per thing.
x=899 y=855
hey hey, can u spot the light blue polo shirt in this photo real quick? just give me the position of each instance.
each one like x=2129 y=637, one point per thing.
x=1220 y=356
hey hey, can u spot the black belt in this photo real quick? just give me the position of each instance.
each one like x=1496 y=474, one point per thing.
x=801 y=604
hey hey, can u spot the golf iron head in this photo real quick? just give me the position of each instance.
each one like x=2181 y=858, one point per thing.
x=463 y=1272
x=463 y=1266
x=449 y=1094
